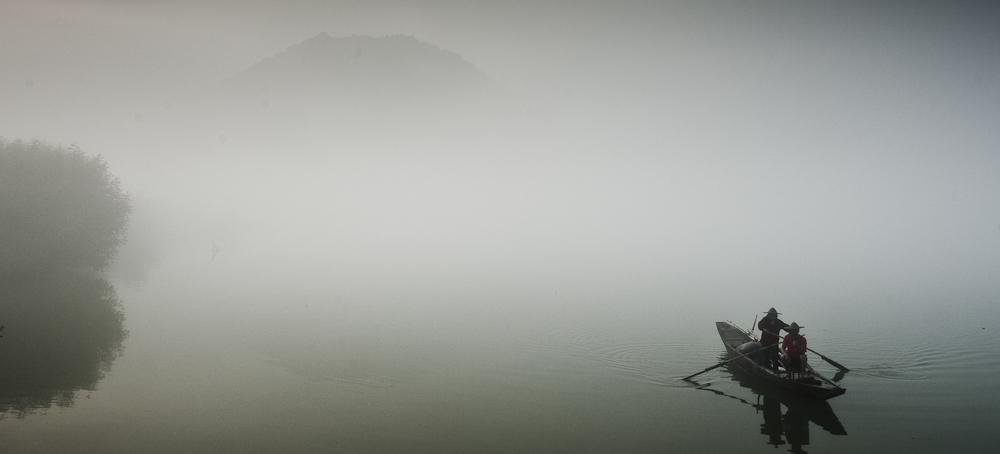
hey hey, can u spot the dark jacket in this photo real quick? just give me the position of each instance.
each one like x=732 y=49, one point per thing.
x=765 y=325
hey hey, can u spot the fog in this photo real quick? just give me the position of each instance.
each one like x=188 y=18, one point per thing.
x=698 y=154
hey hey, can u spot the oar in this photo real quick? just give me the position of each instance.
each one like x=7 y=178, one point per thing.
x=728 y=361
x=834 y=363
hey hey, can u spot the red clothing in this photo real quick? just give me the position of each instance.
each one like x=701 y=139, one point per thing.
x=794 y=345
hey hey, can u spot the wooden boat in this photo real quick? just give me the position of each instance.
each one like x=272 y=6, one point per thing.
x=810 y=383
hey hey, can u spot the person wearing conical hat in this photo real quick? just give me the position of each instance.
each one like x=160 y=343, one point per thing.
x=770 y=328
x=793 y=350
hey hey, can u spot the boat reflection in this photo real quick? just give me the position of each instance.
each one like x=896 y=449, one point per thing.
x=786 y=415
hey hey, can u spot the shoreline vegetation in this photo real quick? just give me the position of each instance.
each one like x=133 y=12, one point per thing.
x=59 y=209
x=63 y=216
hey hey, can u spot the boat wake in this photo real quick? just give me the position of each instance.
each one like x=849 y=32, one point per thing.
x=889 y=372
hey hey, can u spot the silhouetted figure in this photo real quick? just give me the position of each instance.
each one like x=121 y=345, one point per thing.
x=794 y=425
x=772 y=426
x=796 y=429
x=215 y=251
x=770 y=329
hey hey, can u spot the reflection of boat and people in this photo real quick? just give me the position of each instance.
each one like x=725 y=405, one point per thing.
x=794 y=384
x=790 y=427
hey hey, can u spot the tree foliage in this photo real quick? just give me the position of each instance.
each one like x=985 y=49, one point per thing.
x=59 y=209
x=63 y=216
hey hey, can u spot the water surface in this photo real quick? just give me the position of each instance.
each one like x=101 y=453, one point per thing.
x=208 y=369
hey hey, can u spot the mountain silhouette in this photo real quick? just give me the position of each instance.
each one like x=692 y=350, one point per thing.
x=355 y=90
x=392 y=64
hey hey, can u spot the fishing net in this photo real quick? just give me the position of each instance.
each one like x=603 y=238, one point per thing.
x=756 y=353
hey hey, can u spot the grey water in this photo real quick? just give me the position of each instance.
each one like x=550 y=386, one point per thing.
x=300 y=346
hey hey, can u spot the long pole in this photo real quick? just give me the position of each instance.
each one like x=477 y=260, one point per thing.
x=729 y=360
x=835 y=364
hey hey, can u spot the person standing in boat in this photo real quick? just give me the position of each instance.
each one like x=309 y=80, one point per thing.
x=770 y=328
x=793 y=350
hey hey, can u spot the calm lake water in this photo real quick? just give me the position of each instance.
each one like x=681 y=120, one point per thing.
x=206 y=368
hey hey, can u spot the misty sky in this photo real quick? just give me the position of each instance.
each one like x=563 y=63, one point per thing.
x=743 y=73
x=855 y=140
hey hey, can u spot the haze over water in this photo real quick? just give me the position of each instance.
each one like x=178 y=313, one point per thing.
x=527 y=256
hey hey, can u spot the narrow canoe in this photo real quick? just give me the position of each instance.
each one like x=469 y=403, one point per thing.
x=809 y=384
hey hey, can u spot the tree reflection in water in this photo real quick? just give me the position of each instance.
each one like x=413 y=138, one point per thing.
x=63 y=331
x=791 y=427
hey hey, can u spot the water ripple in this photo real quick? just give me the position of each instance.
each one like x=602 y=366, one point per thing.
x=890 y=372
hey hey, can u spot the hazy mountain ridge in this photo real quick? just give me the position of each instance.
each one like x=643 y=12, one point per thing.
x=333 y=92
x=363 y=62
